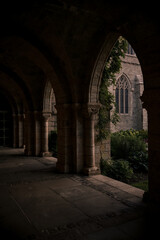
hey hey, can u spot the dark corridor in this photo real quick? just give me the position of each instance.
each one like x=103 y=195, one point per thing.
x=6 y=123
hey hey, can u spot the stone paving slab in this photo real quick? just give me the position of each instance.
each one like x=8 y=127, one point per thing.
x=108 y=234
x=13 y=223
x=99 y=205
x=37 y=203
x=77 y=192
x=44 y=207
x=119 y=185
x=133 y=228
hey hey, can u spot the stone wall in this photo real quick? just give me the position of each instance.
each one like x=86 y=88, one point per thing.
x=137 y=116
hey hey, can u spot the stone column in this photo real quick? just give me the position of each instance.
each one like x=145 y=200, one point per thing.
x=151 y=99
x=64 y=138
x=15 y=131
x=29 y=133
x=90 y=110
x=37 y=133
x=20 y=130
x=45 y=118
x=77 y=138
x=25 y=134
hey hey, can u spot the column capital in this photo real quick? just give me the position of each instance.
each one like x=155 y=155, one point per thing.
x=91 y=109
x=46 y=115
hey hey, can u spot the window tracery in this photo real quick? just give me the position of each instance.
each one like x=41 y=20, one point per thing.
x=122 y=94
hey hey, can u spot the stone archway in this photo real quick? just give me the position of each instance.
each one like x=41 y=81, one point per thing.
x=150 y=97
x=99 y=66
x=48 y=119
x=76 y=41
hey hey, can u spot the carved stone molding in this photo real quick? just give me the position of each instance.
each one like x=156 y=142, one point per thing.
x=91 y=109
x=91 y=171
x=46 y=115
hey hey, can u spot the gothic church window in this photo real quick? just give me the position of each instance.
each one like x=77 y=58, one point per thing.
x=121 y=95
x=130 y=50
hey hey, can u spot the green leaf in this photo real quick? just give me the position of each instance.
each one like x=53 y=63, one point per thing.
x=106 y=98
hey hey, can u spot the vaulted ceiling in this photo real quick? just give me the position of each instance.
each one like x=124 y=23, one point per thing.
x=60 y=41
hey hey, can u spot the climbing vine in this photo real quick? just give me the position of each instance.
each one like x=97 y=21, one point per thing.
x=106 y=98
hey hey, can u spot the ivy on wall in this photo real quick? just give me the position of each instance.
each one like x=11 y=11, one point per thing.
x=106 y=98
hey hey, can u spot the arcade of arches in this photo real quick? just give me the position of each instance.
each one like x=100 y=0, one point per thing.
x=64 y=45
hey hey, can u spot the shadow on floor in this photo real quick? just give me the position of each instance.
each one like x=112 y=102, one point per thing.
x=38 y=203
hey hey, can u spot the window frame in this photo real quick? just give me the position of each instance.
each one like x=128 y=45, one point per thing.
x=121 y=98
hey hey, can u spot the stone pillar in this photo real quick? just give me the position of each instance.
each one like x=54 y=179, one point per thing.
x=45 y=118
x=29 y=133
x=15 y=131
x=37 y=133
x=25 y=133
x=33 y=133
x=151 y=99
x=90 y=110
x=77 y=138
x=20 y=130
x=64 y=138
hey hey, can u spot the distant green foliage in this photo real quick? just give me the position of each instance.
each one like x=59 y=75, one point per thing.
x=119 y=170
x=142 y=134
x=142 y=185
x=129 y=155
x=124 y=146
x=106 y=98
x=139 y=161
x=131 y=145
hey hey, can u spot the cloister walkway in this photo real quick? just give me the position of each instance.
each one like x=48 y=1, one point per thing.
x=38 y=203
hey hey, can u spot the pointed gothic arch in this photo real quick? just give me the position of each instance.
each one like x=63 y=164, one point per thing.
x=93 y=94
x=49 y=103
x=122 y=94
x=49 y=115
x=46 y=98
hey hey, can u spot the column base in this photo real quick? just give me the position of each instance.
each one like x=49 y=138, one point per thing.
x=46 y=154
x=91 y=171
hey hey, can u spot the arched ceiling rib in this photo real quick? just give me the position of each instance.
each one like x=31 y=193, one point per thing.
x=32 y=64
x=9 y=86
x=12 y=101
x=14 y=84
x=70 y=35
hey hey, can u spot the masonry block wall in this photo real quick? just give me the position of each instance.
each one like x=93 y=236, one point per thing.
x=136 y=117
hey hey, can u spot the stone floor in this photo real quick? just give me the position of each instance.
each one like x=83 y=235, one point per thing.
x=37 y=203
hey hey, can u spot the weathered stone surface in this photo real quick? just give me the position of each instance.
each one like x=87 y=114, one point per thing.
x=37 y=203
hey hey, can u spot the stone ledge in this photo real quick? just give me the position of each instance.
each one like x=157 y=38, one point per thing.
x=120 y=185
